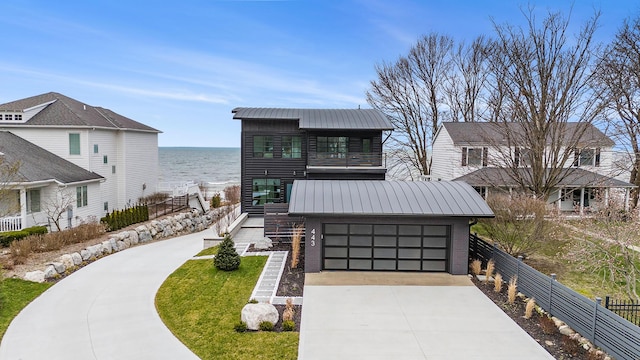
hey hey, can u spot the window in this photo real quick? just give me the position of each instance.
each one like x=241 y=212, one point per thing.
x=474 y=156
x=566 y=194
x=81 y=196
x=523 y=157
x=18 y=117
x=113 y=169
x=33 y=201
x=74 y=144
x=366 y=145
x=333 y=146
x=482 y=190
x=263 y=146
x=106 y=206
x=291 y=147
x=266 y=191
x=95 y=148
x=586 y=157
x=105 y=159
x=8 y=117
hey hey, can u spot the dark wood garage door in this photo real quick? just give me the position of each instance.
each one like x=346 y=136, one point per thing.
x=385 y=247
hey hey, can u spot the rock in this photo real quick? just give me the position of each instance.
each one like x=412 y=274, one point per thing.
x=254 y=314
x=59 y=267
x=264 y=243
x=50 y=272
x=144 y=234
x=121 y=245
x=77 y=258
x=95 y=250
x=67 y=260
x=127 y=242
x=566 y=330
x=114 y=244
x=557 y=321
x=106 y=247
x=35 y=276
x=133 y=235
x=549 y=343
x=86 y=254
x=179 y=227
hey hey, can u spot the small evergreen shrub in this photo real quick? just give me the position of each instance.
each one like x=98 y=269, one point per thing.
x=119 y=219
x=240 y=327
x=266 y=326
x=227 y=258
x=6 y=238
x=288 y=325
x=216 y=201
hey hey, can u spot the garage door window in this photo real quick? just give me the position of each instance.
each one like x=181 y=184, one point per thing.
x=386 y=247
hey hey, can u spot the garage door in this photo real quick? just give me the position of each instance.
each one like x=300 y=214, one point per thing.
x=385 y=247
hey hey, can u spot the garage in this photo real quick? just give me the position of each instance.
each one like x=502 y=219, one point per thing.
x=371 y=225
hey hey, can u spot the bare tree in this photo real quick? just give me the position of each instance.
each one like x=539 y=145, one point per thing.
x=539 y=78
x=410 y=93
x=56 y=205
x=617 y=82
x=9 y=175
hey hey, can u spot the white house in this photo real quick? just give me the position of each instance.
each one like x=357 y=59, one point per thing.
x=479 y=152
x=122 y=151
x=46 y=189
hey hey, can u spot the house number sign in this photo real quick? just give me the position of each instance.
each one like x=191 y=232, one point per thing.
x=313 y=237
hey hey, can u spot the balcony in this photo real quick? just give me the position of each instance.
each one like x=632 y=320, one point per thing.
x=10 y=223
x=351 y=159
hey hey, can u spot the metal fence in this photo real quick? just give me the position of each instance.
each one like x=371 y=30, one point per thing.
x=604 y=328
x=628 y=309
x=168 y=206
x=278 y=225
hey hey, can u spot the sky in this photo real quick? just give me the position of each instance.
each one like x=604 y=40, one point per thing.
x=182 y=66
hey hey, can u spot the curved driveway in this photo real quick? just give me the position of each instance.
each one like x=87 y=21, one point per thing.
x=105 y=310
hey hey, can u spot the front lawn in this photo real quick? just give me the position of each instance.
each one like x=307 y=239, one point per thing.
x=201 y=305
x=15 y=294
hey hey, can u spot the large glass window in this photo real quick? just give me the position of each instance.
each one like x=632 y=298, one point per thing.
x=74 y=144
x=333 y=146
x=366 y=145
x=474 y=156
x=81 y=196
x=291 y=147
x=266 y=191
x=263 y=146
x=33 y=201
x=586 y=157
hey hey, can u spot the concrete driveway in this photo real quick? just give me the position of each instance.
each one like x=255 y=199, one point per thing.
x=408 y=322
x=105 y=310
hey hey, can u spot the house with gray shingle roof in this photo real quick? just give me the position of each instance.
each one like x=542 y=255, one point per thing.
x=42 y=181
x=121 y=150
x=479 y=153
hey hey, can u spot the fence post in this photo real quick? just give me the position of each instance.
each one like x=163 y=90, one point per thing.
x=551 y=281
x=520 y=259
x=606 y=301
x=595 y=320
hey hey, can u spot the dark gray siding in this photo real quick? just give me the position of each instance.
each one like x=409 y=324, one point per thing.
x=356 y=156
x=274 y=168
x=458 y=250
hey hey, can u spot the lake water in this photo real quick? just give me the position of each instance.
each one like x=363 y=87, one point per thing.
x=216 y=168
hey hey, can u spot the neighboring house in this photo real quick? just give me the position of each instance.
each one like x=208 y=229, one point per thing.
x=282 y=145
x=44 y=182
x=479 y=153
x=124 y=152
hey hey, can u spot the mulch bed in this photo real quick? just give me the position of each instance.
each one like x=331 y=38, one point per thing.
x=558 y=345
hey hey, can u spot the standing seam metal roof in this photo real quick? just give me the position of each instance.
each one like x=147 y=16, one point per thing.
x=318 y=119
x=379 y=197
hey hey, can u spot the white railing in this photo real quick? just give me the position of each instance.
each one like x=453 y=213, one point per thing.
x=176 y=188
x=10 y=223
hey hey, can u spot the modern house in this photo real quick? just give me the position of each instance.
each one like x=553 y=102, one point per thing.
x=281 y=145
x=122 y=151
x=45 y=184
x=486 y=155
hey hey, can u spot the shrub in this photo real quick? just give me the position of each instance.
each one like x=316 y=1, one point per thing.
x=512 y=289
x=252 y=301
x=266 y=326
x=6 y=238
x=295 y=245
x=288 y=325
x=528 y=310
x=227 y=258
x=154 y=198
x=232 y=194
x=216 y=201
x=119 y=219
x=497 y=283
x=475 y=267
x=240 y=327
x=547 y=325
x=491 y=266
x=288 y=312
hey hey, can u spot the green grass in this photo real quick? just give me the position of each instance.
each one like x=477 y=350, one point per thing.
x=201 y=305
x=209 y=251
x=15 y=294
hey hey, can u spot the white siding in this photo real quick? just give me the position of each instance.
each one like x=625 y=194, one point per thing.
x=107 y=146
x=445 y=156
x=93 y=210
x=139 y=166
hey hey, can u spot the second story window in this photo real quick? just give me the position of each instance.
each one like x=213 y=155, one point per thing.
x=522 y=157
x=366 y=145
x=333 y=146
x=74 y=144
x=291 y=147
x=474 y=156
x=586 y=157
x=263 y=146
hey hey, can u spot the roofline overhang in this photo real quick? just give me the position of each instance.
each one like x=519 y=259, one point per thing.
x=392 y=215
x=85 y=127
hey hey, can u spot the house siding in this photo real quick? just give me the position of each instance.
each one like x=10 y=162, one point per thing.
x=137 y=165
x=445 y=156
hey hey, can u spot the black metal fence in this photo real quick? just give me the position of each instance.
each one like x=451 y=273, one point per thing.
x=278 y=225
x=604 y=328
x=168 y=206
x=628 y=309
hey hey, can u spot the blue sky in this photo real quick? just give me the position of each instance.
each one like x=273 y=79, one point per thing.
x=182 y=68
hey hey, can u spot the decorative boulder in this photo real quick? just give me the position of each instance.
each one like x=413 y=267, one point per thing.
x=133 y=235
x=35 y=276
x=86 y=254
x=106 y=247
x=264 y=243
x=50 y=272
x=59 y=267
x=254 y=314
x=77 y=258
x=67 y=260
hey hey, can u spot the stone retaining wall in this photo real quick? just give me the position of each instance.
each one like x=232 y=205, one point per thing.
x=182 y=223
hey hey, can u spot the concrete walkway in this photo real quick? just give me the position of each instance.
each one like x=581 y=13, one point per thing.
x=409 y=322
x=105 y=310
